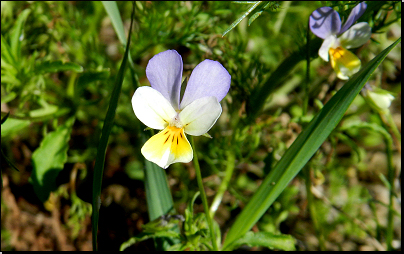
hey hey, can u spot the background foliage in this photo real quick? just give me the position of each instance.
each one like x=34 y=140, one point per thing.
x=59 y=63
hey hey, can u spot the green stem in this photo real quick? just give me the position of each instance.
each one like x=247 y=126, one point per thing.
x=306 y=84
x=312 y=208
x=203 y=195
x=225 y=183
x=394 y=130
x=391 y=174
x=391 y=177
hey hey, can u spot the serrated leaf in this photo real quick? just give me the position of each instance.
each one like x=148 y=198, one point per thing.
x=265 y=239
x=49 y=159
x=302 y=149
x=57 y=66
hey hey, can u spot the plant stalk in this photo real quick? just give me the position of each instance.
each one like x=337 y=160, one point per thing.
x=203 y=195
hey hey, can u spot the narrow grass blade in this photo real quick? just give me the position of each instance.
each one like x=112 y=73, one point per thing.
x=302 y=150
x=158 y=195
x=106 y=130
x=159 y=198
x=112 y=10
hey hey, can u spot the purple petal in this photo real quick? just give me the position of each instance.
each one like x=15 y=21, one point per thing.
x=356 y=12
x=209 y=78
x=164 y=72
x=324 y=21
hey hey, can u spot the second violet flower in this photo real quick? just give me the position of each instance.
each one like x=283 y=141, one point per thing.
x=326 y=24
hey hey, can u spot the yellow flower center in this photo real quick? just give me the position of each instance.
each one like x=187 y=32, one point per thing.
x=337 y=53
x=169 y=144
x=344 y=62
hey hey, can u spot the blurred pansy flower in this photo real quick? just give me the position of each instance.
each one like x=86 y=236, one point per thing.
x=159 y=106
x=326 y=24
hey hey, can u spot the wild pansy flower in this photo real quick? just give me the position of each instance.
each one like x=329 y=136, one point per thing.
x=326 y=24
x=159 y=106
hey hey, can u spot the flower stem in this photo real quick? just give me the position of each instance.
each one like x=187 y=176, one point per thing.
x=307 y=168
x=306 y=84
x=203 y=195
x=391 y=175
x=312 y=208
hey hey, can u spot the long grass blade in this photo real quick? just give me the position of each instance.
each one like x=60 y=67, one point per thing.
x=158 y=195
x=106 y=130
x=113 y=12
x=306 y=144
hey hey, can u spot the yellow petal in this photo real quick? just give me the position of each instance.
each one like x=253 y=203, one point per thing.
x=168 y=146
x=344 y=62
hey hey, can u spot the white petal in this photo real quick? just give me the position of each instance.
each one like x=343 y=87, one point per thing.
x=327 y=44
x=199 y=116
x=167 y=147
x=151 y=108
x=356 y=36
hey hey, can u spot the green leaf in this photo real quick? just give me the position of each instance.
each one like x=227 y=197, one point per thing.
x=158 y=195
x=273 y=5
x=16 y=34
x=265 y=239
x=106 y=130
x=6 y=53
x=145 y=236
x=302 y=149
x=12 y=126
x=57 y=66
x=254 y=17
x=235 y=23
x=113 y=12
x=5 y=118
x=49 y=159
